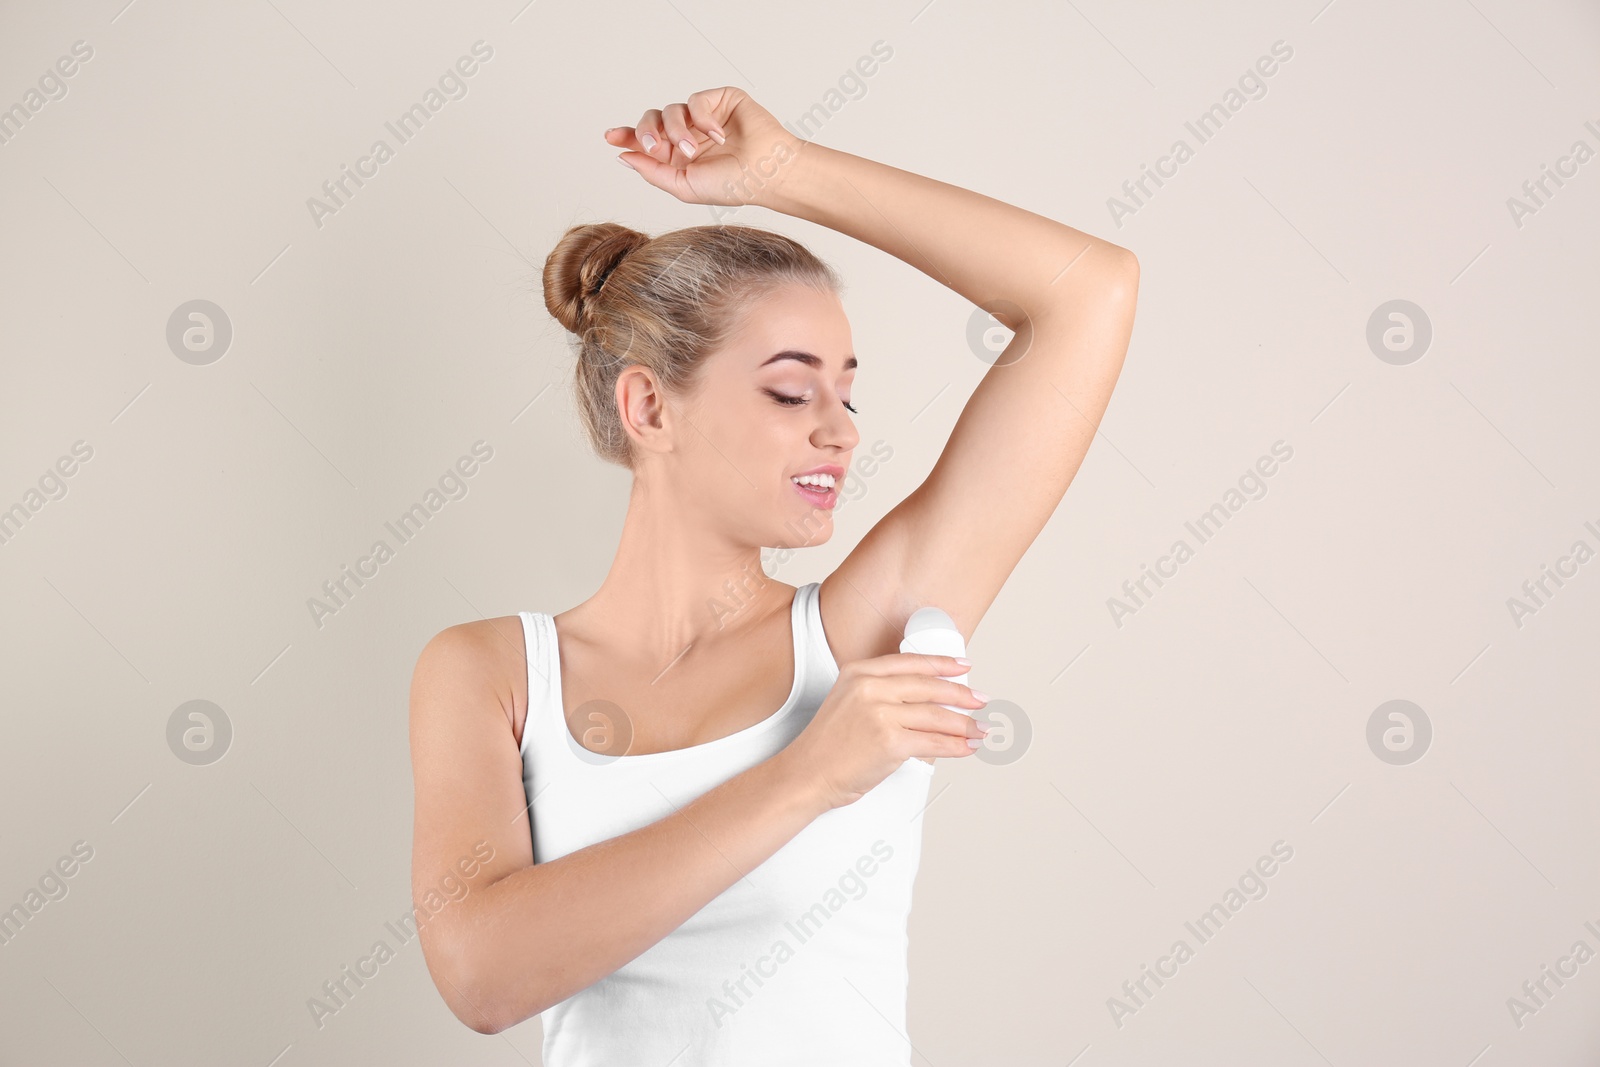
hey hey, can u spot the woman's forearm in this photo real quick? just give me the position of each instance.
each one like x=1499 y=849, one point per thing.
x=542 y=933
x=982 y=248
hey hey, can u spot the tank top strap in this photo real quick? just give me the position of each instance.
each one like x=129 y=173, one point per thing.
x=814 y=657
x=545 y=712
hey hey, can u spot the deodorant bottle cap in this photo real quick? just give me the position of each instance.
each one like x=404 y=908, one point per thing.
x=931 y=632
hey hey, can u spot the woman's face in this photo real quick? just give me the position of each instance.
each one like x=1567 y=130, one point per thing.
x=771 y=405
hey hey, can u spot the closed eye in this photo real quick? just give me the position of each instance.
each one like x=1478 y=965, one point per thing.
x=796 y=400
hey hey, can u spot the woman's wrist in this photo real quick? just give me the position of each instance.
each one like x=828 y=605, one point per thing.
x=797 y=182
x=804 y=791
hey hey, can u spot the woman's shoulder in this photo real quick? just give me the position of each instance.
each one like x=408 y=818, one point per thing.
x=478 y=640
x=477 y=656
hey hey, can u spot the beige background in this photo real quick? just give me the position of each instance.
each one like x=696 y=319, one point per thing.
x=1229 y=713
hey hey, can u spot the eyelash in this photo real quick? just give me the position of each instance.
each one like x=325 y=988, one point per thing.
x=797 y=400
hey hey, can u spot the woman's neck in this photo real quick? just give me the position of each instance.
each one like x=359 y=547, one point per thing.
x=677 y=580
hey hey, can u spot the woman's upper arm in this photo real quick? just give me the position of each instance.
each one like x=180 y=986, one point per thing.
x=1014 y=449
x=471 y=822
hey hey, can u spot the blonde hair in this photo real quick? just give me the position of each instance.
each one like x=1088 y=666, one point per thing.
x=663 y=303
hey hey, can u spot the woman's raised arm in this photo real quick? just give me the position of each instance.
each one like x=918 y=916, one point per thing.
x=1019 y=441
x=1068 y=295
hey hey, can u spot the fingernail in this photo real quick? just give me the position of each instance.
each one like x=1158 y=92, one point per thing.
x=985 y=725
x=624 y=161
x=688 y=149
x=974 y=742
x=980 y=695
x=716 y=135
x=963 y=661
x=648 y=142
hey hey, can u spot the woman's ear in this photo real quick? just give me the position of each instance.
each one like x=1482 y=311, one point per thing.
x=642 y=408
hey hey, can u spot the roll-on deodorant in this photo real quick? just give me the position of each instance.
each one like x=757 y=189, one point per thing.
x=931 y=632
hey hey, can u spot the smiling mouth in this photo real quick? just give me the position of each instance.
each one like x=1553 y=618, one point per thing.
x=819 y=489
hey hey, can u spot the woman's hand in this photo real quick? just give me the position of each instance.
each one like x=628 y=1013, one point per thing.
x=881 y=712
x=719 y=147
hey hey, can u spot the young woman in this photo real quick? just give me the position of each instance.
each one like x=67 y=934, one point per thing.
x=633 y=842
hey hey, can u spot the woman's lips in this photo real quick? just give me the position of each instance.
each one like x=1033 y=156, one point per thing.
x=817 y=495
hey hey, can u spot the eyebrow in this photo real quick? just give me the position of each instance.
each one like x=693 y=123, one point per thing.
x=807 y=358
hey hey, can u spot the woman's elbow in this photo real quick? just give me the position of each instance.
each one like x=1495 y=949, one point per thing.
x=459 y=978
x=1127 y=268
x=1122 y=280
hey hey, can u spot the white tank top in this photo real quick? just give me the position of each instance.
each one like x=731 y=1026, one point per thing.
x=803 y=961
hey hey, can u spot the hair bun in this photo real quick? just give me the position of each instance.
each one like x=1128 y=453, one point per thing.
x=580 y=264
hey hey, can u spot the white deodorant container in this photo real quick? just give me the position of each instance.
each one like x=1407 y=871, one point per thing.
x=931 y=632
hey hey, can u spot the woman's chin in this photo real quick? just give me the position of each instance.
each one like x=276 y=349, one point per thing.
x=807 y=528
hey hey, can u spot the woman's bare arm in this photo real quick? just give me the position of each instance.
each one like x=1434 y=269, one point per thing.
x=1020 y=439
x=985 y=249
x=521 y=937
x=1024 y=432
